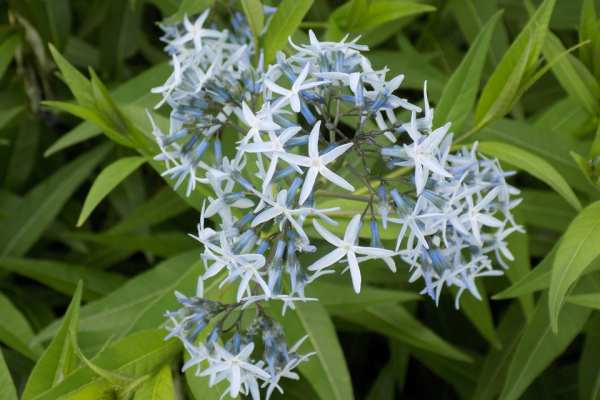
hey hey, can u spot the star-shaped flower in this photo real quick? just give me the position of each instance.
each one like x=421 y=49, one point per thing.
x=293 y=95
x=259 y=122
x=317 y=164
x=274 y=149
x=422 y=153
x=235 y=368
x=195 y=32
x=347 y=247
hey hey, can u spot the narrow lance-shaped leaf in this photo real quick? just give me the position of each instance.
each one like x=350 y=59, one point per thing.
x=573 y=76
x=285 y=21
x=326 y=370
x=77 y=83
x=64 y=277
x=15 y=330
x=255 y=16
x=533 y=165
x=7 y=51
x=577 y=249
x=539 y=346
x=106 y=181
x=499 y=94
x=496 y=362
x=133 y=357
x=396 y=322
x=589 y=373
x=7 y=387
x=60 y=358
x=158 y=387
x=460 y=93
x=41 y=205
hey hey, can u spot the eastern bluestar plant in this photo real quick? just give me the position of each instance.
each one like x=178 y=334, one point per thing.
x=296 y=124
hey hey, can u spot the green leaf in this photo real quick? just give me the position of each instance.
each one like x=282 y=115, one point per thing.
x=545 y=209
x=15 y=331
x=519 y=62
x=60 y=358
x=64 y=277
x=158 y=387
x=589 y=373
x=572 y=75
x=590 y=300
x=92 y=115
x=377 y=13
x=588 y=31
x=134 y=91
x=538 y=346
x=495 y=364
x=77 y=83
x=255 y=16
x=533 y=165
x=518 y=244
x=106 y=181
x=326 y=371
x=284 y=23
x=553 y=146
x=115 y=313
x=134 y=356
x=397 y=323
x=42 y=204
x=576 y=250
x=480 y=315
x=7 y=387
x=340 y=298
x=7 y=51
x=460 y=93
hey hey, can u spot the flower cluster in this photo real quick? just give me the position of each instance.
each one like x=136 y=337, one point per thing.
x=271 y=142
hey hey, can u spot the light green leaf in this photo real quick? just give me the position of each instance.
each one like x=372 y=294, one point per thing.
x=77 y=83
x=590 y=300
x=395 y=322
x=106 y=181
x=553 y=146
x=134 y=91
x=495 y=364
x=340 y=298
x=22 y=229
x=572 y=75
x=158 y=387
x=460 y=93
x=115 y=313
x=576 y=250
x=255 y=16
x=64 y=277
x=538 y=346
x=134 y=356
x=326 y=371
x=284 y=23
x=7 y=51
x=15 y=331
x=7 y=387
x=518 y=244
x=545 y=209
x=589 y=373
x=519 y=62
x=377 y=13
x=60 y=358
x=533 y=165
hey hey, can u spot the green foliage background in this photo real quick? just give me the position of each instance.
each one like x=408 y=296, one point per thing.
x=93 y=241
